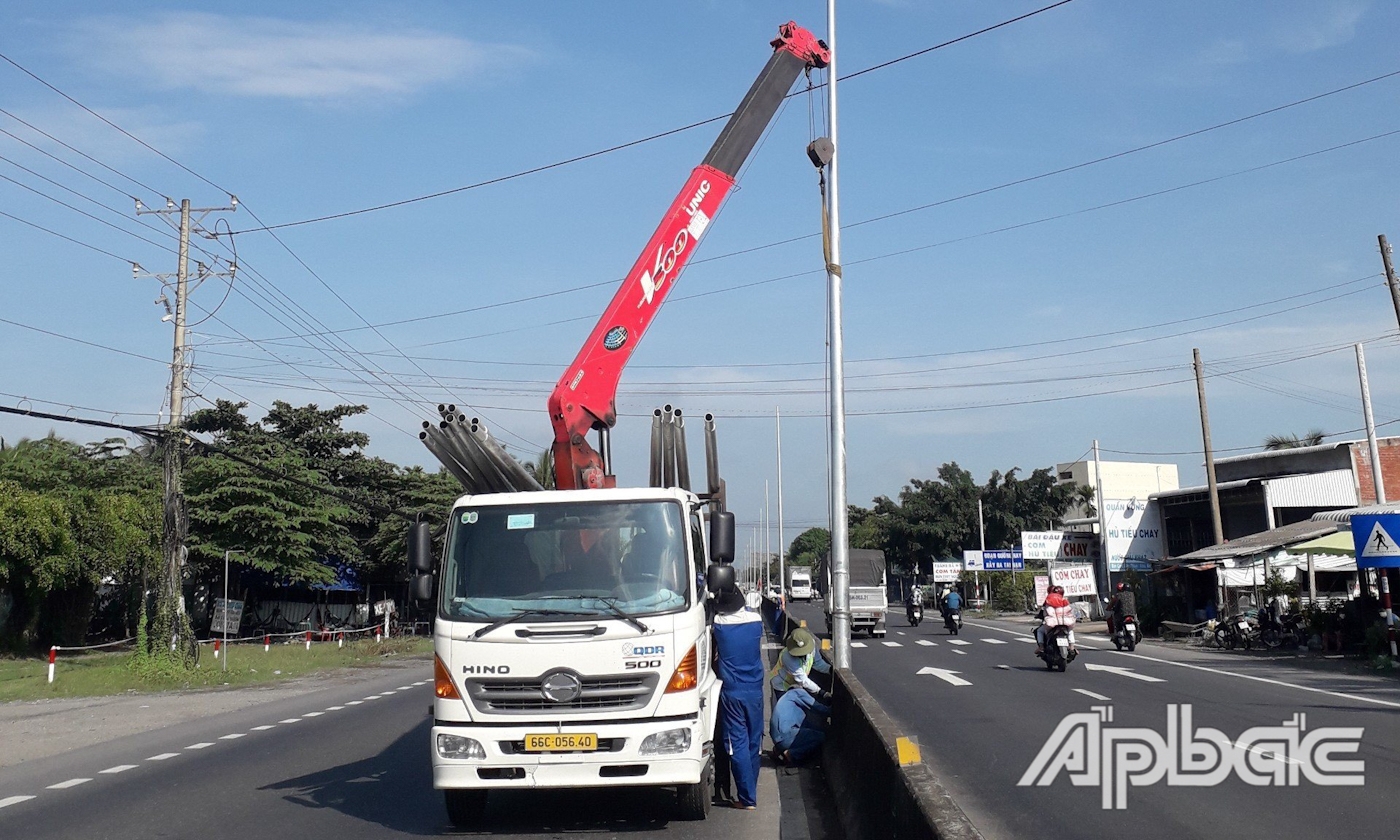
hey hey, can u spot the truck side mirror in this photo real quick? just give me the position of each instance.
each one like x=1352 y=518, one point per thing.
x=421 y=587
x=722 y=537
x=420 y=549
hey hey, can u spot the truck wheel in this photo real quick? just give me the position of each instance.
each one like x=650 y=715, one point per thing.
x=693 y=801
x=465 y=808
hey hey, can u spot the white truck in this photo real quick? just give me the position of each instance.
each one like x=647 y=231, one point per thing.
x=800 y=584
x=571 y=643
x=868 y=599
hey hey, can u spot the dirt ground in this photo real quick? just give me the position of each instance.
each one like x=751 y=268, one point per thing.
x=41 y=728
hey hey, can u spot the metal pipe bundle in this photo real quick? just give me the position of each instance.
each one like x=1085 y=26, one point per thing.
x=467 y=450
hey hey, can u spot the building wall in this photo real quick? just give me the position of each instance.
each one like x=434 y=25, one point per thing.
x=1125 y=480
x=1390 y=469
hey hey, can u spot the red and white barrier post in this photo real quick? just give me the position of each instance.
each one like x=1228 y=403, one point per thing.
x=308 y=640
x=267 y=643
x=216 y=648
x=340 y=640
x=53 y=657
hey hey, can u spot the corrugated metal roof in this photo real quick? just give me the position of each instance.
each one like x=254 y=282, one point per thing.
x=1279 y=453
x=1262 y=542
x=1334 y=487
x=1187 y=491
x=1344 y=516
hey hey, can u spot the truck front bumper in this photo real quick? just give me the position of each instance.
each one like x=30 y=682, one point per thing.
x=618 y=761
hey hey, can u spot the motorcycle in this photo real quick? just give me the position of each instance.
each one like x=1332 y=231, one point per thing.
x=1057 y=653
x=1290 y=631
x=915 y=613
x=952 y=620
x=1126 y=633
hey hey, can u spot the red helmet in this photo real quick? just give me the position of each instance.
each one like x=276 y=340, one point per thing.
x=1058 y=590
x=1122 y=586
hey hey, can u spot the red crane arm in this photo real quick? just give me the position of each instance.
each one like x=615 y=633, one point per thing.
x=585 y=397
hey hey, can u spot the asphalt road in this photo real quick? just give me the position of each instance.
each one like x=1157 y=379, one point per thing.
x=983 y=726
x=347 y=762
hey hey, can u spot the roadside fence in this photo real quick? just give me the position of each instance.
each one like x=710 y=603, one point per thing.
x=53 y=651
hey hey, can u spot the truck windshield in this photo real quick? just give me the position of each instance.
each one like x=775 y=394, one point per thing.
x=582 y=558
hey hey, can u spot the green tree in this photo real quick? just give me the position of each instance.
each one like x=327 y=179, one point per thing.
x=1274 y=443
x=808 y=547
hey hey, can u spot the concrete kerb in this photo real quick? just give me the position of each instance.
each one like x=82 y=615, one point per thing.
x=876 y=795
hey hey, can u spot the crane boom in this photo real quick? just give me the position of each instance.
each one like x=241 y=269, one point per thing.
x=586 y=396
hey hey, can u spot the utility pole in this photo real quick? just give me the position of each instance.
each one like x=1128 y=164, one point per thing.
x=1390 y=276
x=1217 y=529
x=1377 y=479
x=768 y=536
x=782 y=565
x=1102 y=569
x=171 y=618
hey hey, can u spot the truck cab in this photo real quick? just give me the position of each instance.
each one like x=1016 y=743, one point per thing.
x=571 y=645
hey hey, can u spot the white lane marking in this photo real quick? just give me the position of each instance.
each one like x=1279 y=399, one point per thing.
x=926 y=643
x=201 y=745
x=962 y=652
x=407 y=687
x=120 y=768
x=353 y=702
x=13 y=800
x=900 y=632
x=372 y=697
x=950 y=677
x=313 y=714
x=1087 y=693
x=958 y=642
x=334 y=708
x=857 y=644
x=1004 y=667
x=264 y=727
x=995 y=641
x=892 y=644
x=232 y=736
x=1024 y=639
x=162 y=756
x=289 y=720
x=1120 y=671
x=1266 y=680
x=68 y=784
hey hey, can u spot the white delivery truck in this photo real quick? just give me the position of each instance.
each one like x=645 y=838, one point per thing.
x=800 y=584
x=867 y=591
x=570 y=636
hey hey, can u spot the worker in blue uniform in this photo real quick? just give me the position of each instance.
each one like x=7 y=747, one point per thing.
x=738 y=636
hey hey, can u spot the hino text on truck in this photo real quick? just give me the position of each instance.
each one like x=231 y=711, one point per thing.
x=571 y=646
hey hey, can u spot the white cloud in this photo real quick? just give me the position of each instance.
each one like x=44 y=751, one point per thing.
x=269 y=57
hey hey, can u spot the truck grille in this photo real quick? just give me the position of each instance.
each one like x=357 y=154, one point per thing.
x=616 y=693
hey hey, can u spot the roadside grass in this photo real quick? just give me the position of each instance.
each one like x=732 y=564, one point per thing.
x=98 y=674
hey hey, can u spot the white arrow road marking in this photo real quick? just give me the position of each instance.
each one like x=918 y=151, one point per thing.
x=13 y=800
x=892 y=644
x=994 y=641
x=958 y=642
x=1120 y=671
x=857 y=644
x=120 y=768
x=68 y=784
x=950 y=677
x=926 y=643
x=162 y=756
x=1087 y=693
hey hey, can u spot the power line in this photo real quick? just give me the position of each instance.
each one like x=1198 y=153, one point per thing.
x=77 y=340
x=619 y=147
x=67 y=238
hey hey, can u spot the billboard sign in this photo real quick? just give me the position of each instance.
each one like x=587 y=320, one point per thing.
x=1076 y=578
x=946 y=572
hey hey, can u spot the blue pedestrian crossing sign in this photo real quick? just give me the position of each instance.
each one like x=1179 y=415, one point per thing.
x=1374 y=535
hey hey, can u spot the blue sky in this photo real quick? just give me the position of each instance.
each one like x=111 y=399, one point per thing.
x=961 y=319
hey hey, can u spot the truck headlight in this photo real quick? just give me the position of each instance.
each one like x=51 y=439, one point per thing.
x=456 y=746
x=670 y=742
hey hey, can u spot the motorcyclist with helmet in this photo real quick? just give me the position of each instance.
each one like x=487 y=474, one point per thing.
x=1056 y=610
x=1124 y=603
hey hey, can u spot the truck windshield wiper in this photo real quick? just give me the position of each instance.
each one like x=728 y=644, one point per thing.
x=611 y=604
x=519 y=614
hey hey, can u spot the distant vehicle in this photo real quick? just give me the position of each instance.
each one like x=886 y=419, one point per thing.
x=866 y=591
x=800 y=585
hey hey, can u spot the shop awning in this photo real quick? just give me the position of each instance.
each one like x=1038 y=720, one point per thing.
x=1339 y=544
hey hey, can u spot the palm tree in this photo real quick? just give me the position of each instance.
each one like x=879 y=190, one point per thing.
x=543 y=469
x=1273 y=443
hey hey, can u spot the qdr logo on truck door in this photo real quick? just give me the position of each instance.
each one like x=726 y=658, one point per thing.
x=668 y=257
x=641 y=657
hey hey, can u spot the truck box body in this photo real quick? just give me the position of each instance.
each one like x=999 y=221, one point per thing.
x=866 y=590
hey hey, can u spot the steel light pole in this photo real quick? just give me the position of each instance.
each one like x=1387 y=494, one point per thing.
x=227 y=554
